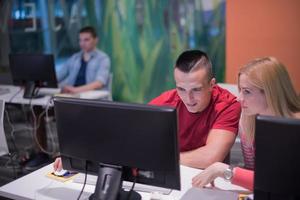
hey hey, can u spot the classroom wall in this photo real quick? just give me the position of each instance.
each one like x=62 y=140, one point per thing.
x=143 y=38
x=259 y=28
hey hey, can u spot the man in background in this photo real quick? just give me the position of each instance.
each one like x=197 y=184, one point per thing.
x=87 y=69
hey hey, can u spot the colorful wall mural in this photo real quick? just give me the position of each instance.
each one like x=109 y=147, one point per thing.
x=142 y=37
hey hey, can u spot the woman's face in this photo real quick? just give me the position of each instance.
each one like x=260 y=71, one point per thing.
x=252 y=99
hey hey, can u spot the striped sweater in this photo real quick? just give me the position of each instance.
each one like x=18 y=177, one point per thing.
x=248 y=151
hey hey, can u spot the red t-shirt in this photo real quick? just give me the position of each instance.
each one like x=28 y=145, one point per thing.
x=223 y=112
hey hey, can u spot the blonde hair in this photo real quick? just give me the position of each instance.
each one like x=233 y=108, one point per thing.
x=272 y=78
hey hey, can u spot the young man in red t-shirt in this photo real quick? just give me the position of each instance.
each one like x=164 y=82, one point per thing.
x=208 y=115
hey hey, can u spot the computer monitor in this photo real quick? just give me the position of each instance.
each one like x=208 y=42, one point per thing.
x=135 y=142
x=277 y=158
x=33 y=71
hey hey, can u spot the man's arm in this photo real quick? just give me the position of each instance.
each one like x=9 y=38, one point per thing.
x=64 y=70
x=217 y=147
x=90 y=86
x=103 y=72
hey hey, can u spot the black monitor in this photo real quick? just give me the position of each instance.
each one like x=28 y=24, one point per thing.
x=32 y=71
x=277 y=159
x=135 y=142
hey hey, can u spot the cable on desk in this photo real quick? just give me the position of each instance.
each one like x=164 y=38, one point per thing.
x=10 y=100
x=135 y=174
x=13 y=164
x=21 y=129
x=15 y=154
x=29 y=129
x=14 y=157
x=30 y=101
x=36 y=125
x=48 y=128
x=84 y=183
x=28 y=124
x=12 y=132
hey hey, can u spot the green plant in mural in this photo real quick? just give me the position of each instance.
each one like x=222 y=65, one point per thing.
x=144 y=38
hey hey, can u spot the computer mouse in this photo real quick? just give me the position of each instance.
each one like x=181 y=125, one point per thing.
x=61 y=172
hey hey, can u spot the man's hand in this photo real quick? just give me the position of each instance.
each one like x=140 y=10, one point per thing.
x=69 y=89
x=57 y=165
x=88 y=87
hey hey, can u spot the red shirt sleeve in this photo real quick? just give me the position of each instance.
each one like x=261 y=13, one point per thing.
x=243 y=177
x=157 y=100
x=168 y=98
x=229 y=118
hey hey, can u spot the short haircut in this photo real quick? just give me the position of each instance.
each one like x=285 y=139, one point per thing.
x=89 y=29
x=194 y=59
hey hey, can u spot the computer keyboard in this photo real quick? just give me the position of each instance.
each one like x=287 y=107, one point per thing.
x=91 y=180
x=49 y=91
x=95 y=94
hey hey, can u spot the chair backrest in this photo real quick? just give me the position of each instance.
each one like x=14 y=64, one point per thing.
x=233 y=88
x=3 y=144
x=109 y=86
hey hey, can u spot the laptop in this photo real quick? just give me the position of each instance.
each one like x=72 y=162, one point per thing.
x=3 y=143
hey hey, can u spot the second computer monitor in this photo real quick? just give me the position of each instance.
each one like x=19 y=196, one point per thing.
x=277 y=158
x=32 y=71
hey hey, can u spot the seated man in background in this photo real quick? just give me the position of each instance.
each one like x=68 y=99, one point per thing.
x=208 y=115
x=87 y=69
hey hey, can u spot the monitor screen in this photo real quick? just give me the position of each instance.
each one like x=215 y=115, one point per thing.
x=140 y=139
x=32 y=71
x=277 y=158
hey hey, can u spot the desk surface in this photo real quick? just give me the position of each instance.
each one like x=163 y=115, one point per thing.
x=15 y=95
x=37 y=186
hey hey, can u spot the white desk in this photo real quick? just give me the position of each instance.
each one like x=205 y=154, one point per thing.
x=37 y=186
x=16 y=96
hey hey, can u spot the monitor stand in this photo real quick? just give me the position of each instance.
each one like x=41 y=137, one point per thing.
x=30 y=91
x=109 y=185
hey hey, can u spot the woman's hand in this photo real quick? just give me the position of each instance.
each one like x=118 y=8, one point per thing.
x=209 y=174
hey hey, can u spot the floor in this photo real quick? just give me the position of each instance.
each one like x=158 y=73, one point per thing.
x=20 y=140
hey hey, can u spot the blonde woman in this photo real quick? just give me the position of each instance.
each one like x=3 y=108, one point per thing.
x=265 y=89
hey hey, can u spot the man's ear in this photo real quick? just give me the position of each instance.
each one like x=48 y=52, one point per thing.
x=212 y=82
x=96 y=40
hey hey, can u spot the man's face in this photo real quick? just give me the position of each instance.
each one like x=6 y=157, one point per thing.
x=194 y=89
x=87 y=42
